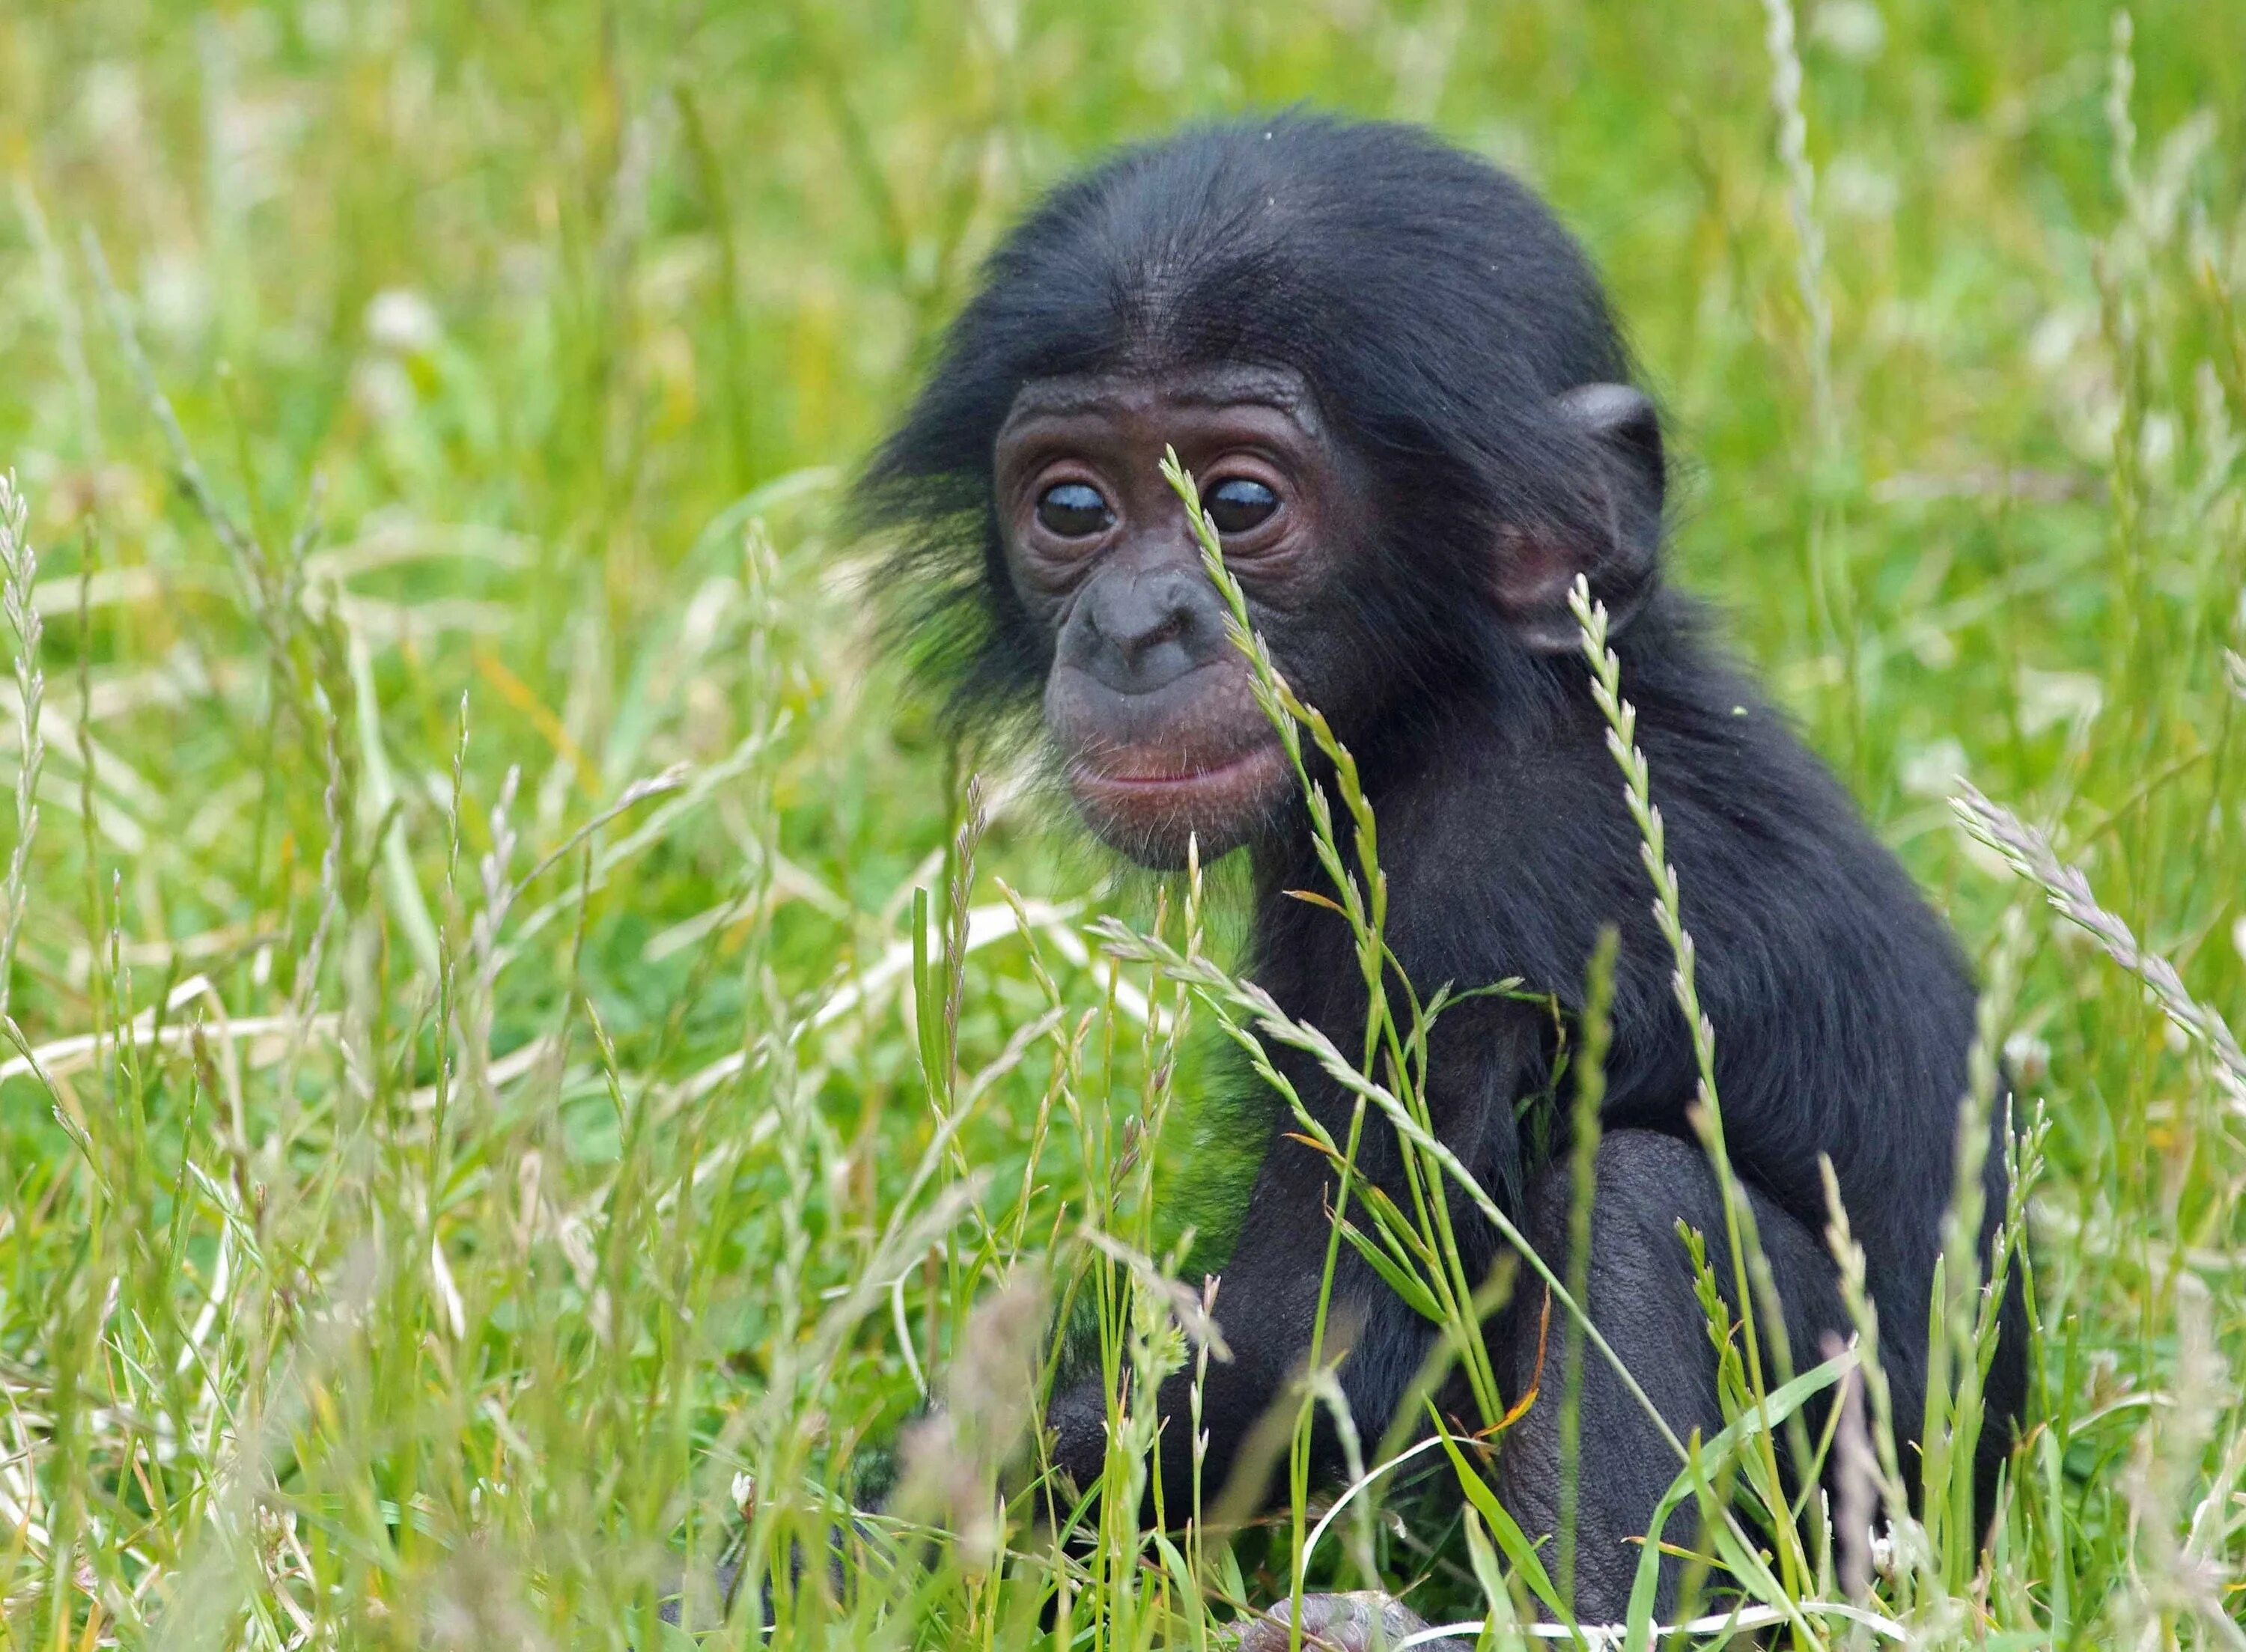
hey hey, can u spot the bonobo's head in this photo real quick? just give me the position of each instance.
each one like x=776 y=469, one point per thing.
x=1399 y=389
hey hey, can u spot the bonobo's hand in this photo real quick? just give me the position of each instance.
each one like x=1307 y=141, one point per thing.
x=1363 y=1621
x=676 y=1599
x=1077 y=1418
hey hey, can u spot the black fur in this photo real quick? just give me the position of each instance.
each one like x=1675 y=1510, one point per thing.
x=1436 y=307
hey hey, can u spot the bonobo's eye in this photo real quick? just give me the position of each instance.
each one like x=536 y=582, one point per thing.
x=1237 y=504
x=1073 y=510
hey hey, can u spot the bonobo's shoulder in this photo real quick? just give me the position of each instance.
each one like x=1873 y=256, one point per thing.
x=1755 y=815
x=1503 y=819
x=1701 y=709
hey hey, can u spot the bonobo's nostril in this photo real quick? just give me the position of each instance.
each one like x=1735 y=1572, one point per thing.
x=1169 y=624
x=1140 y=630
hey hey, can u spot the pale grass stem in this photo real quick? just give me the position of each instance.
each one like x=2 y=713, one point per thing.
x=19 y=572
x=305 y=997
x=260 y=587
x=1971 y=1300
x=70 y=325
x=2120 y=87
x=1750 y=1266
x=2029 y=854
x=1786 y=87
x=2182 y=1578
x=1825 y=549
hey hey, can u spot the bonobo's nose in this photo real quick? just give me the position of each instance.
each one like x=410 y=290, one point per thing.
x=1136 y=630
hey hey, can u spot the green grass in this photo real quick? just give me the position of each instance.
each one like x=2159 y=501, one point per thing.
x=447 y=1176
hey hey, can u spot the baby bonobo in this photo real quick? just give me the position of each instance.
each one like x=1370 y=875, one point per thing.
x=1412 y=419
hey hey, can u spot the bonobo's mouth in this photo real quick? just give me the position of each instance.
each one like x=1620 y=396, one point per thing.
x=1148 y=802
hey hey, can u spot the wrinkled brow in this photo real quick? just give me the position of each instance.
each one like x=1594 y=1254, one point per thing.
x=1216 y=387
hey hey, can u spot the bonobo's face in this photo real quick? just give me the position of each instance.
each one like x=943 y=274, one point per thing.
x=1148 y=702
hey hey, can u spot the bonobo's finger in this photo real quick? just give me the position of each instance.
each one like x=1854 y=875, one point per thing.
x=713 y=1602
x=1362 y=1620
x=1078 y=1420
x=709 y=1604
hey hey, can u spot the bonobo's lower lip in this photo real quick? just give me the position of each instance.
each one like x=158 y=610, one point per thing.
x=1153 y=782
x=1148 y=810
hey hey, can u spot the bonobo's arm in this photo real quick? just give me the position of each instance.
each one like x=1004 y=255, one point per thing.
x=1267 y=1303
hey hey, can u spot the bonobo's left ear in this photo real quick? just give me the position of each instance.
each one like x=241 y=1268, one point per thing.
x=1615 y=539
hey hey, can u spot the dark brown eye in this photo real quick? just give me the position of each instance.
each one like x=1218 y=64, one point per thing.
x=1073 y=510
x=1237 y=505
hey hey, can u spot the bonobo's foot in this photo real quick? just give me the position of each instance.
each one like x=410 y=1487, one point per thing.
x=1363 y=1621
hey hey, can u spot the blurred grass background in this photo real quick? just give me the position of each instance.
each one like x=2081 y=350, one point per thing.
x=518 y=355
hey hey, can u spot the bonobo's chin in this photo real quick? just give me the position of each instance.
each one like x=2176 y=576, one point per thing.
x=1151 y=809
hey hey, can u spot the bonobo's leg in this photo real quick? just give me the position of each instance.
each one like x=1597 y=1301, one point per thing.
x=1641 y=1297
x=1267 y=1303
x=1268 y=1300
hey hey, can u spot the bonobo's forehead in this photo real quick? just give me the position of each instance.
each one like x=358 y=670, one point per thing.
x=1213 y=386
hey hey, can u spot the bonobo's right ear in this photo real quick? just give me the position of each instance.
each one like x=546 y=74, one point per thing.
x=1615 y=540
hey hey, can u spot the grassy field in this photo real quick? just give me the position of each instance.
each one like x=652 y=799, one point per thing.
x=513 y=1063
